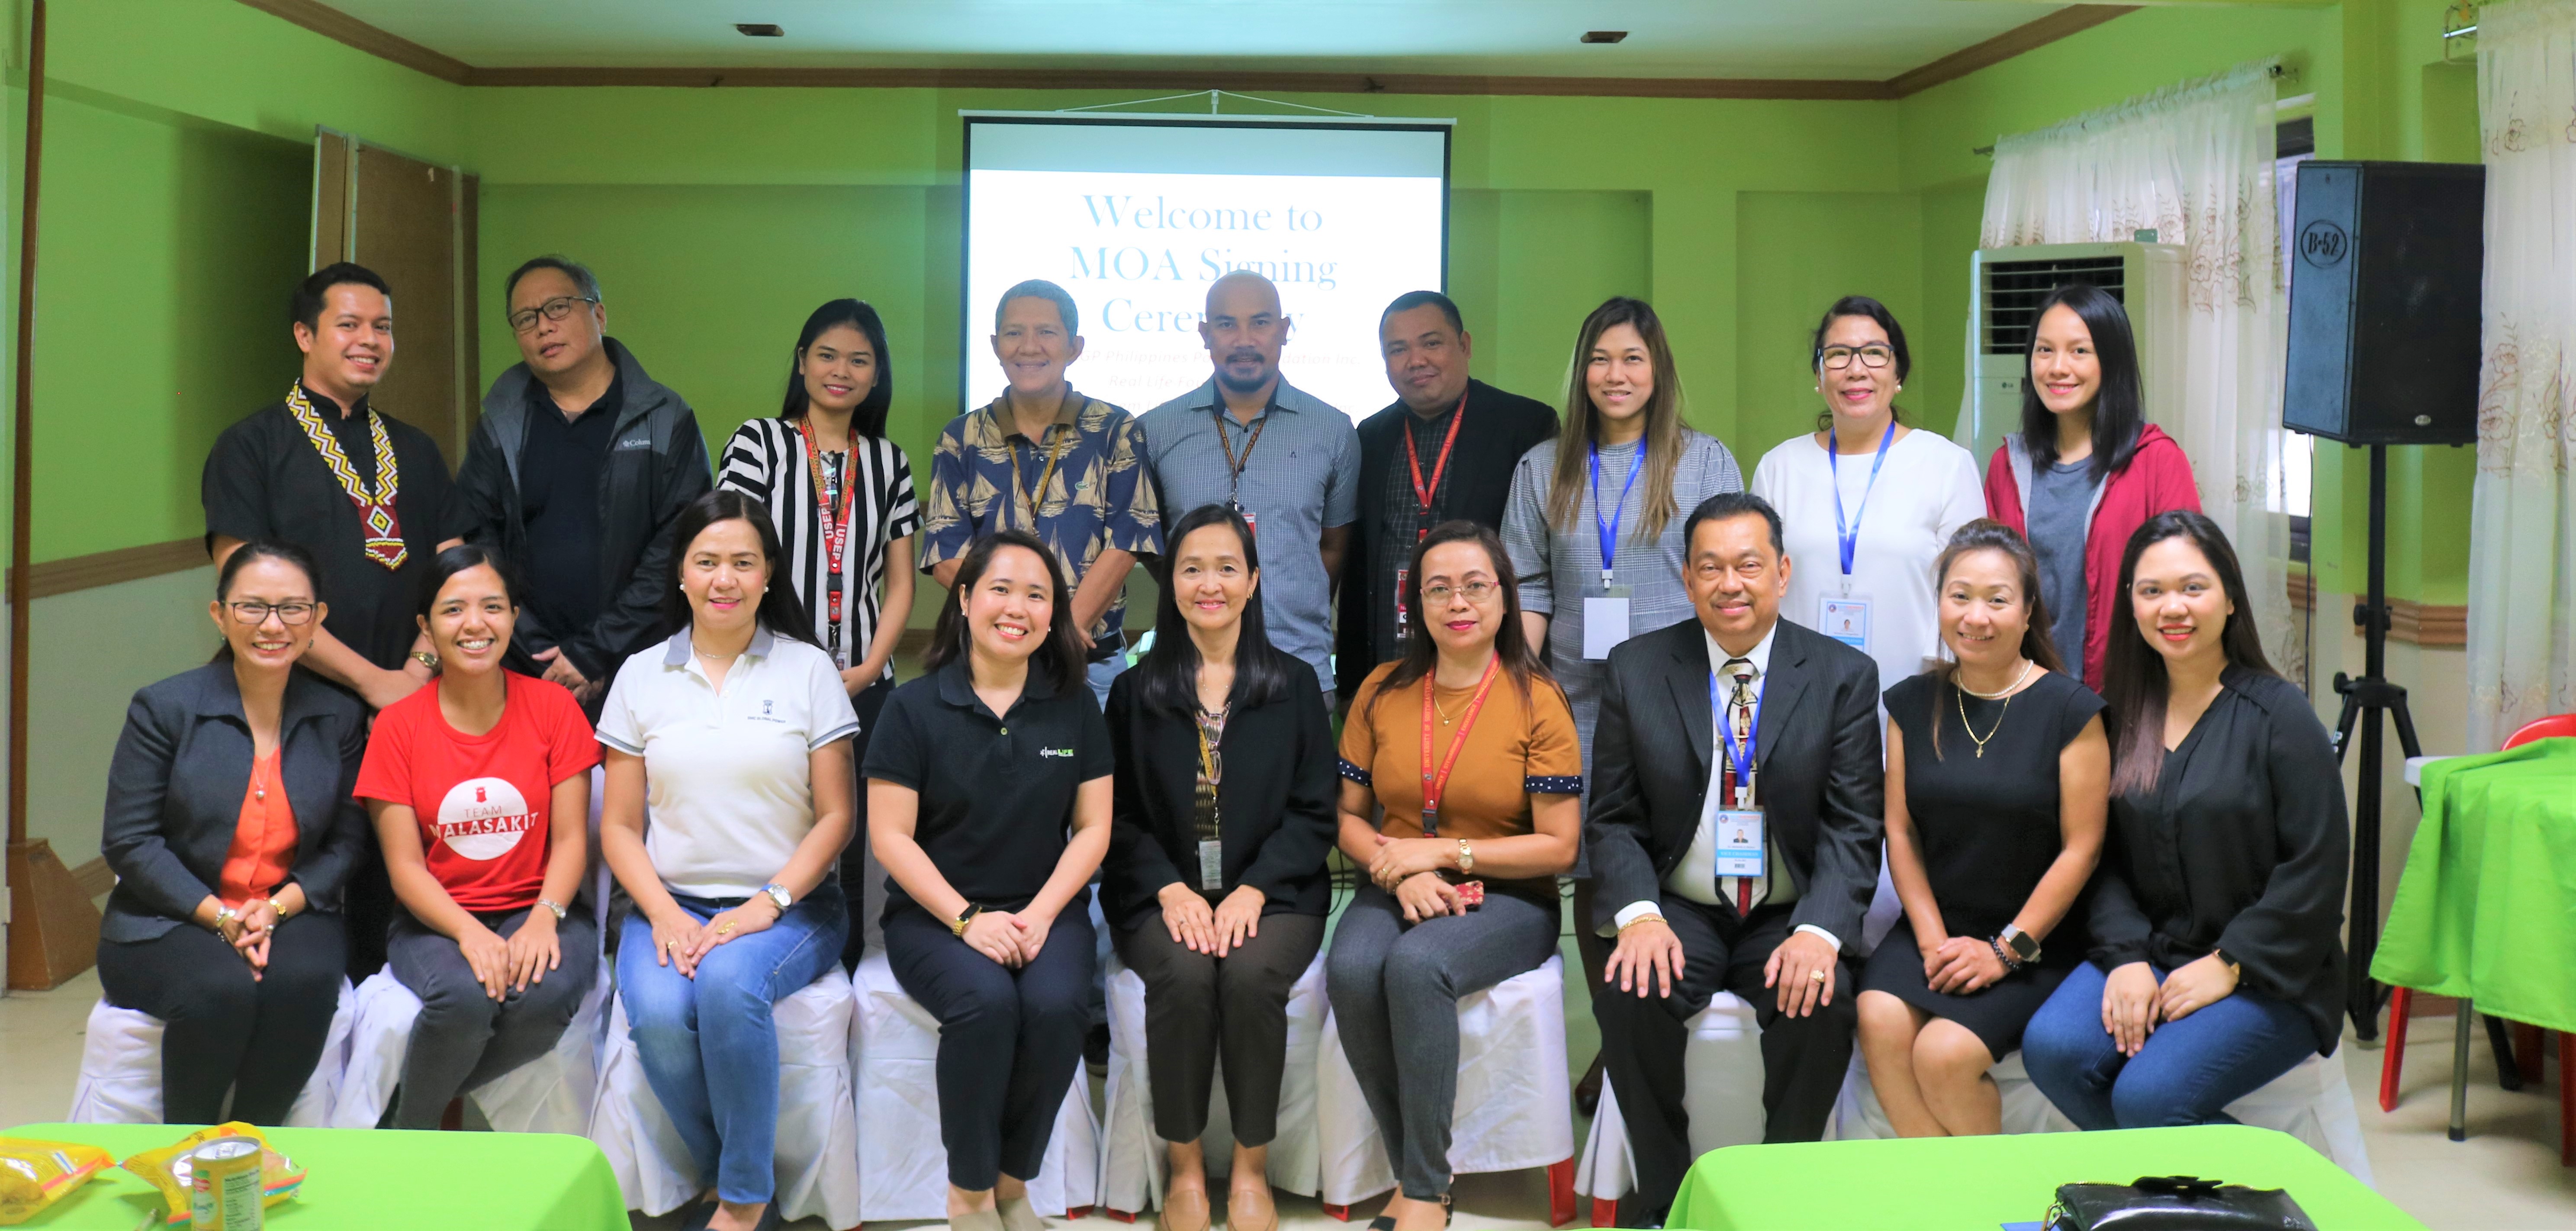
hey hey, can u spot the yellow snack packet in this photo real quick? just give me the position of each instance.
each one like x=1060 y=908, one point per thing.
x=168 y=1168
x=35 y=1174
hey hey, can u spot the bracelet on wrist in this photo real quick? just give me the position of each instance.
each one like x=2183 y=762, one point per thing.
x=1623 y=928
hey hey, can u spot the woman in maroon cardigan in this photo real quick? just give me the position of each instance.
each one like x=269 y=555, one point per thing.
x=2086 y=469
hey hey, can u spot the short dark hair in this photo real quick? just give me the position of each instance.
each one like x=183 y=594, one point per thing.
x=305 y=306
x=1734 y=504
x=582 y=279
x=1860 y=305
x=1040 y=288
x=870 y=418
x=1410 y=300
x=461 y=558
x=252 y=552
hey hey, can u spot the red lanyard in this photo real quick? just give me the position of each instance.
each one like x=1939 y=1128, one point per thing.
x=1433 y=785
x=1422 y=492
x=830 y=504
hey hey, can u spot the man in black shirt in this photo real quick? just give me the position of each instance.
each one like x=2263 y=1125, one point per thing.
x=367 y=495
x=1444 y=450
x=575 y=473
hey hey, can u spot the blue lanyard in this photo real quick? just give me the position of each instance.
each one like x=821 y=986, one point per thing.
x=1610 y=532
x=1739 y=755
x=1847 y=535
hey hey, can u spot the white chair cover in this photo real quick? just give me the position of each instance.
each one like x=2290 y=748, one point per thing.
x=903 y=1168
x=818 y=1132
x=120 y=1072
x=1722 y=1091
x=551 y=1094
x=1131 y=1155
x=1515 y=1102
x=2311 y=1102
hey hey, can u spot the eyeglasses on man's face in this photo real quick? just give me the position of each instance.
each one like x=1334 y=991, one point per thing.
x=255 y=614
x=1839 y=357
x=554 y=309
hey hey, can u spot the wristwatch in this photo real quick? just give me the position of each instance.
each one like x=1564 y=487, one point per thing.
x=958 y=925
x=224 y=916
x=1466 y=858
x=2234 y=967
x=779 y=895
x=2023 y=946
x=425 y=658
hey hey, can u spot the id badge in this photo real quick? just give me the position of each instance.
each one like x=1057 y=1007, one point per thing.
x=1403 y=582
x=1605 y=621
x=1845 y=618
x=1250 y=522
x=1212 y=865
x=1739 y=842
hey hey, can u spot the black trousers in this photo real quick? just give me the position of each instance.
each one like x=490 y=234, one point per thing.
x=854 y=858
x=1009 y=1040
x=1803 y=1058
x=1198 y=1006
x=226 y=1031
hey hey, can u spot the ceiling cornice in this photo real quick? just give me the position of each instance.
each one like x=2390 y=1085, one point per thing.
x=330 y=22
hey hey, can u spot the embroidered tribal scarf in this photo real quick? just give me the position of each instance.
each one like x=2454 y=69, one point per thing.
x=375 y=510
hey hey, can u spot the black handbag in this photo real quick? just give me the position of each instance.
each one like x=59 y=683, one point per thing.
x=2174 y=1203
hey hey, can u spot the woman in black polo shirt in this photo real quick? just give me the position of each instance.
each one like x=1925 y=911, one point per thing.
x=988 y=804
x=1215 y=886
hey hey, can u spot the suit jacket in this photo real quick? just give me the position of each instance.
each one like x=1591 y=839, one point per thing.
x=175 y=787
x=1823 y=780
x=1276 y=803
x=1500 y=427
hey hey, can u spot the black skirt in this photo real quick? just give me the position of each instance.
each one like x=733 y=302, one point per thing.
x=1996 y=1014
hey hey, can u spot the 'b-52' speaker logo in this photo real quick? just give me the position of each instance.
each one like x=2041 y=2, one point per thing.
x=2323 y=244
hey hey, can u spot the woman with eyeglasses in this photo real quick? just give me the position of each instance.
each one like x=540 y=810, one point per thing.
x=1461 y=890
x=1868 y=502
x=231 y=829
x=2086 y=469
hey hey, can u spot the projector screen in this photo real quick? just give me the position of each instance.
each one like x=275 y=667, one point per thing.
x=1137 y=216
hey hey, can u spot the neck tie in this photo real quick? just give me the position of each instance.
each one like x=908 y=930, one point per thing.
x=1744 y=891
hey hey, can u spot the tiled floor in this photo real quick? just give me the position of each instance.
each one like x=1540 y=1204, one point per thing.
x=2504 y=1178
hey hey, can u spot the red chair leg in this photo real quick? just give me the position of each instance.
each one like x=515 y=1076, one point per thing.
x=2527 y=1052
x=1605 y=1213
x=1342 y=1212
x=1560 y=1193
x=1118 y=1215
x=2394 y=1061
x=2566 y=1099
x=1084 y=1211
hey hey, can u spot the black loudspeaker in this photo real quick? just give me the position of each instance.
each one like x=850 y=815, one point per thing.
x=2384 y=277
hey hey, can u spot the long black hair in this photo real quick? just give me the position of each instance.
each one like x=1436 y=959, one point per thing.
x=1168 y=676
x=870 y=418
x=261 y=549
x=2119 y=406
x=1987 y=534
x=780 y=611
x=1511 y=645
x=2133 y=672
x=1059 y=655
x=1859 y=305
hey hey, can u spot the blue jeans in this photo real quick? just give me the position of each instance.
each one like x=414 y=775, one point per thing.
x=1104 y=673
x=709 y=1045
x=2188 y=1072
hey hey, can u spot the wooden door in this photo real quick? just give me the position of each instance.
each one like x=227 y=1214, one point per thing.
x=412 y=222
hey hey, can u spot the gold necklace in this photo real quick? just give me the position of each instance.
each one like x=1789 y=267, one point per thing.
x=1960 y=695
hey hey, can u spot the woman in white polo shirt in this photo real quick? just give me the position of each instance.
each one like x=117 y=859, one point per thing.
x=730 y=732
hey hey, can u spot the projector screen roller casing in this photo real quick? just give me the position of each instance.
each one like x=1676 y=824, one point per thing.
x=1135 y=217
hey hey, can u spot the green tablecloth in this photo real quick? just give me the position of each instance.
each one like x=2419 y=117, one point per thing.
x=1981 y=1183
x=376 y=1179
x=2486 y=907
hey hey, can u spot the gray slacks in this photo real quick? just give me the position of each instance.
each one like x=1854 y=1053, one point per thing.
x=1395 y=990
x=464 y=1038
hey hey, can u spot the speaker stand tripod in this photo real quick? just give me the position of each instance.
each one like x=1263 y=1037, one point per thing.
x=2365 y=700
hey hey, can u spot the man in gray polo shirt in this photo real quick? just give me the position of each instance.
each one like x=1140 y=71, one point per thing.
x=1289 y=462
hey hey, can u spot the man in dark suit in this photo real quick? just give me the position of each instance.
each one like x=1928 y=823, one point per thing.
x=1703 y=896
x=1445 y=450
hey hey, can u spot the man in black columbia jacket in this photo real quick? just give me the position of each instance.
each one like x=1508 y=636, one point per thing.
x=574 y=475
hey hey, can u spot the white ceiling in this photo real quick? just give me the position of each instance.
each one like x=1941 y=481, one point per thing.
x=1824 y=39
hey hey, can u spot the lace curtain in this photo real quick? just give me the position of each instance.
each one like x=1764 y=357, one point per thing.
x=2193 y=163
x=2522 y=560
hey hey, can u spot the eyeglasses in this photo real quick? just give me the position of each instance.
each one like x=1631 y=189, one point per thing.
x=1840 y=357
x=554 y=309
x=256 y=614
x=1476 y=592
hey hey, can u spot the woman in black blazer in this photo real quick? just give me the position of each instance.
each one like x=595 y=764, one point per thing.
x=231 y=828
x=1215 y=887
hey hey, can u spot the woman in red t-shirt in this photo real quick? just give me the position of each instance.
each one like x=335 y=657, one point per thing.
x=463 y=778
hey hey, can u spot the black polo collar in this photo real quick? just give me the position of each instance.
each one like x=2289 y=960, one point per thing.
x=957 y=686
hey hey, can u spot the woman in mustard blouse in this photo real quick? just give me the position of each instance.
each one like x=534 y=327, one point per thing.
x=1463 y=884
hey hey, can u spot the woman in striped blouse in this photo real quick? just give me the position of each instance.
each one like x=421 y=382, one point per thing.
x=840 y=495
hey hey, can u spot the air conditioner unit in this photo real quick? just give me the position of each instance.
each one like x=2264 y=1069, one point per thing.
x=2006 y=287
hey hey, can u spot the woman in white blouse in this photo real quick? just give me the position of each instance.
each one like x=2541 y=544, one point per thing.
x=1867 y=502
